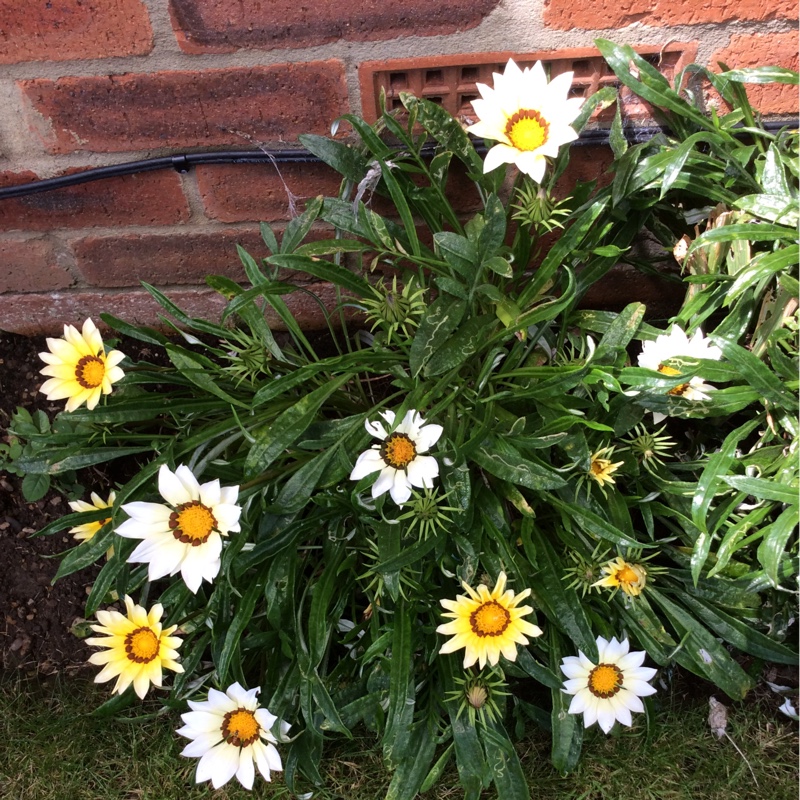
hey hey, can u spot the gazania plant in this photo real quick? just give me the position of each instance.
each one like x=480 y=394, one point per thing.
x=454 y=518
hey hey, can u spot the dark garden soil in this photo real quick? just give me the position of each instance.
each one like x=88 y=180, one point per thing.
x=37 y=615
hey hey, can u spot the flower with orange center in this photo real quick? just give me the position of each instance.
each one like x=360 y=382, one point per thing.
x=676 y=344
x=186 y=534
x=89 y=529
x=608 y=691
x=78 y=367
x=601 y=468
x=399 y=458
x=487 y=623
x=528 y=117
x=138 y=647
x=620 y=574
x=231 y=735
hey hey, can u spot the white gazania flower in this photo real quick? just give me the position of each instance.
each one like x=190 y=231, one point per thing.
x=231 y=735
x=184 y=535
x=487 y=624
x=78 y=367
x=528 y=117
x=89 y=529
x=673 y=345
x=138 y=647
x=608 y=691
x=400 y=458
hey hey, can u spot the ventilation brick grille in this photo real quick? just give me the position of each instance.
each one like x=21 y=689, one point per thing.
x=450 y=81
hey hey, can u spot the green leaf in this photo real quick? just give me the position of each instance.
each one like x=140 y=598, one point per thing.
x=85 y=553
x=440 y=319
x=299 y=226
x=235 y=629
x=35 y=486
x=771 y=551
x=401 y=688
x=273 y=439
x=593 y=524
x=504 y=763
x=445 y=129
x=201 y=372
x=771 y=74
x=708 y=657
x=763 y=488
x=567 y=729
x=772 y=207
x=412 y=771
x=740 y=634
x=458 y=251
x=562 y=605
x=325 y=270
x=463 y=343
x=499 y=458
x=344 y=159
x=757 y=374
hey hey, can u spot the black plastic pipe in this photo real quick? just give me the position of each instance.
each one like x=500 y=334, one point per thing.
x=185 y=161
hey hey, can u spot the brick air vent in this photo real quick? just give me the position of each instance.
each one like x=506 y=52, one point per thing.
x=450 y=80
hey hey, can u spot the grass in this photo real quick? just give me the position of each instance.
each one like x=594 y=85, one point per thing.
x=53 y=750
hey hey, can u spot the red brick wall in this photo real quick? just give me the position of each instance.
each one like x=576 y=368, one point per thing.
x=89 y=83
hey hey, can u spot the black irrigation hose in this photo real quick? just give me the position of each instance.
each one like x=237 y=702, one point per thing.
x=185 y=161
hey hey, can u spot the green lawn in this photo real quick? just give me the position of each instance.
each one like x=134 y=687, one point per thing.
x=53 y=750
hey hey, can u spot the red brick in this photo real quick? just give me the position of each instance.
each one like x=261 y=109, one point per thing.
x=65 y=29
x=46 y=314
x=30 y=266
x=186 y=109
x=760 y=50
x=586 y=163
x=245 y=192
x=149 y=198
x=218 y=26
x=624 y=284
x=604 y=14
x=163 y=260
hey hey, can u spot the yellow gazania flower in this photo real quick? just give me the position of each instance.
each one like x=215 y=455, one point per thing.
x=89 y=529
x=138 y=647
x=78 y=367
x=601 y=468
x=487 y=623
x=621 y=574
x=528 y=117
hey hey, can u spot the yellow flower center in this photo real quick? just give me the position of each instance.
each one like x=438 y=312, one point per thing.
x=489 y=619
x=671 y=372
x=627 y=575
x=600 y=466
x=240 y=728
x=192 y=523
x=90 y=371
x=527 y=130
x=398 y=451
x=141 y=645
x=605 y=680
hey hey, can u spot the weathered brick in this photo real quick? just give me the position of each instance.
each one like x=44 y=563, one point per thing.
x=186 y=109
x=47 y=313
x=624 y=284
x=244 y=192
x=184 y=258
x=178 y=258
x=148 y=198
x=760 y=50
x=604 y=14
x=67 y=29
x=586 y=163
x=29 y=266
x=203 y=26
